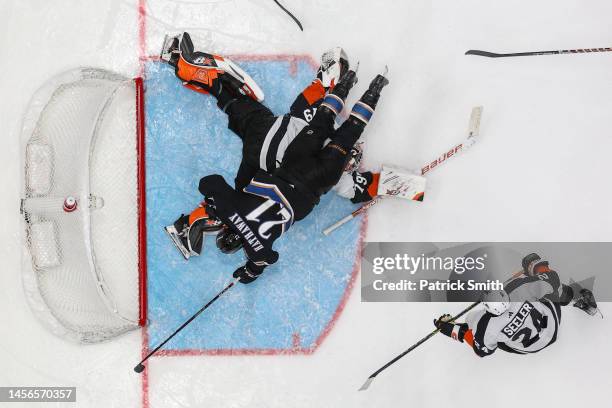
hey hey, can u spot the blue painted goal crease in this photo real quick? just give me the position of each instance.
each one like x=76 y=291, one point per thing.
x=292 y=306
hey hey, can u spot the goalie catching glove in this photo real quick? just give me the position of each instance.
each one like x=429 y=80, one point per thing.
x=334 y=64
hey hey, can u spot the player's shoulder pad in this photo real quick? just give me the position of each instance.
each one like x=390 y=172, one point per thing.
x=552 y=277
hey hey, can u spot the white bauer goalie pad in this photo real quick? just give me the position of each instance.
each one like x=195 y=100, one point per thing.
x=83 y=246
x=397 y=182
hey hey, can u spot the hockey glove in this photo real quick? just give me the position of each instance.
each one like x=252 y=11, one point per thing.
x=450 y=329
x=246 y=274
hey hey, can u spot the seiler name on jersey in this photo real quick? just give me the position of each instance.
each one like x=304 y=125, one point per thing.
x=519 y=319
x=249 y=235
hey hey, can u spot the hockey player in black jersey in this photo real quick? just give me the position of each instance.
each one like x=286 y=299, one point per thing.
x=286 y=163
x=525 y=317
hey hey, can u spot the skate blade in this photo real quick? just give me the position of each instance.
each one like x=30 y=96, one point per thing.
x=173 y=234
x=164 y=53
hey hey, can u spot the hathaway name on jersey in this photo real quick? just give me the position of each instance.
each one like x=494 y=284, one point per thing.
x=250 y=237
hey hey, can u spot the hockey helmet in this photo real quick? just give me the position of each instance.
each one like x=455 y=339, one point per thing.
x=533 y=264
x=228 y=241
x=496 y=302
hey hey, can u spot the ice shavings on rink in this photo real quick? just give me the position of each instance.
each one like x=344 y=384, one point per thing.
x=292 y=304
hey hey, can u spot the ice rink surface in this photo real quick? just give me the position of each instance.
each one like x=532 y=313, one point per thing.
x=539 y=173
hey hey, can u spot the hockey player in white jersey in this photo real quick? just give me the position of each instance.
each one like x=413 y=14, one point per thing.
x=523 y=318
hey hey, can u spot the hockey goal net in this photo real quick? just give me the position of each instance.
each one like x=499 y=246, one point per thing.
x=84 y=263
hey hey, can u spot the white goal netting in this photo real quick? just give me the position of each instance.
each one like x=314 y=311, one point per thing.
x=83 y=265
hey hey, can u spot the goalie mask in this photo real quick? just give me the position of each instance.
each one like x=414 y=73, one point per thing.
x=228 y=241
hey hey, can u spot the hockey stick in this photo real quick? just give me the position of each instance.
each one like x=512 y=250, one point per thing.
x=352 y=215
x=473 y=130
x=140 y=367
x=371 y=378
x=528 y=54
x=290 y=15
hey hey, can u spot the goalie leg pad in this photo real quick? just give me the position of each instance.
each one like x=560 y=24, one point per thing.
x=202 y=72
x=205 y=77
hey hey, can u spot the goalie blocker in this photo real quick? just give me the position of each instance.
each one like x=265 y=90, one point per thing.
x=473 y=131
x=391 y=181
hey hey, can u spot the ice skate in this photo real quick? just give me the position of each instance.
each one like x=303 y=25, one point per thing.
x=188 y=231
x=334 y=101
x=178 y=233
x=170 y=49
x=371 y=96
x=364 y=108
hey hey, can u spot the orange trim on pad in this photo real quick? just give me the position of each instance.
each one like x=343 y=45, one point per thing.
x=314 y=92
x=373 y=187
x=196 y=214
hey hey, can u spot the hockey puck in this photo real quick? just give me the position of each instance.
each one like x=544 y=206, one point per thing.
x=139 y=368
x=70 y=204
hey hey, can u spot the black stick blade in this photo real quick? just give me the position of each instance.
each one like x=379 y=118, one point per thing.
x=483 y=53
x=139 y=368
